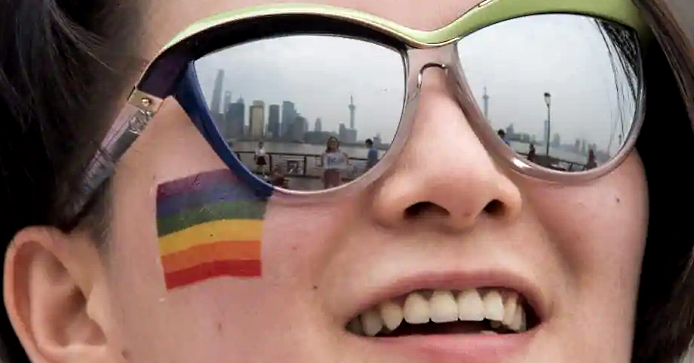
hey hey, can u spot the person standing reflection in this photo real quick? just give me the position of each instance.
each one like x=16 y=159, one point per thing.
x=372 y=156
x=334 y=162
x=591 y=164
x=531 y=152
x=502 y=135
x=261 y=161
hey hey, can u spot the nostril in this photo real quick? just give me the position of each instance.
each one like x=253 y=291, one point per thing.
x=415 y=209
x=494 y=207
x=422 y=208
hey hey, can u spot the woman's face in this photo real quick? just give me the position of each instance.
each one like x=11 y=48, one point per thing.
x=332 y=143
x=448 y=219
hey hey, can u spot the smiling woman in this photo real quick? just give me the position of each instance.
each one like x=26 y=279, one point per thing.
x=136 y=231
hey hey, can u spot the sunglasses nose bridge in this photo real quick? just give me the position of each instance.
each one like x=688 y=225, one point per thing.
x=420 y=75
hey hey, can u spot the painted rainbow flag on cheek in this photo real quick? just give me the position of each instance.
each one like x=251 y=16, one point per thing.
x=209 y=225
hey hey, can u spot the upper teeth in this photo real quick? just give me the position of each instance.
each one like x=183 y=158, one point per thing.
x=444 y=306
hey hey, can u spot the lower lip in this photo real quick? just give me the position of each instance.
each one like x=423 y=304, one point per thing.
x=456 y=348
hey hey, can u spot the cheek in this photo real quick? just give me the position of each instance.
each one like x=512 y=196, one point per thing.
x=598 y=229
x=297 y=238
x=205 y=313
x=150 y=321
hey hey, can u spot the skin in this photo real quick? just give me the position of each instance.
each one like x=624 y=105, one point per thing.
x=580 y=245
x=332 y=144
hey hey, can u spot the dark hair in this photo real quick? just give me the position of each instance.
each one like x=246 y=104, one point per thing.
x=369 y=142
x=62 y=65
x=58 y=79
x=665 y=311
x=327 y=147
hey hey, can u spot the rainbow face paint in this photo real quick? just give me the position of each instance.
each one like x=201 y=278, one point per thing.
x=209 y=225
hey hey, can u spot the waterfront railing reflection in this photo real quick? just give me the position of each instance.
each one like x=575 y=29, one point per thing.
x=304 y=171
x=304 y=166
x=556 y=163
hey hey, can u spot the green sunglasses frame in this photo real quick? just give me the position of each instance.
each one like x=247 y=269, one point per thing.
x=482 y=15
x=189 y=45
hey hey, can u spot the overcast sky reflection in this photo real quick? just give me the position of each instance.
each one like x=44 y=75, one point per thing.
x=517 y=61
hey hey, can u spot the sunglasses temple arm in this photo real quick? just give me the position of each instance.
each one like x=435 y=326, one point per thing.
x=125 y=130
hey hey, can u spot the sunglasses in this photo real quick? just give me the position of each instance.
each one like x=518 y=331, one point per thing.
x=554 y=90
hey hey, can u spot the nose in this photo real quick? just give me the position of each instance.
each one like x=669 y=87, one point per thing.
x=444 y=176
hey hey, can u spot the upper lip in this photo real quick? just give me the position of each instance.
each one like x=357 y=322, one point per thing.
x=457 y=281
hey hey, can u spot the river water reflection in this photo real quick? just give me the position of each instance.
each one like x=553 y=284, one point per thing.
x=297 y=148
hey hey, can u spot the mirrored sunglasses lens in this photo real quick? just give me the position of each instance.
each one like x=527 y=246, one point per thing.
x=305 y=112
x=561 y=90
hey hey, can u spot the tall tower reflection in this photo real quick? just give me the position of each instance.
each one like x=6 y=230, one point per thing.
x=352 y=109
x=217 y=94
x=485 y=100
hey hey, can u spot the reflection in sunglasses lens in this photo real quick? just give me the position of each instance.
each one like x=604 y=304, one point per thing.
x=560 y=90
x=305 y=112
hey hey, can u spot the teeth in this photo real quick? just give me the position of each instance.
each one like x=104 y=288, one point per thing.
x=470 y=306
x=519 y=320
x=416 y=309
x=493 y=306
x=524 y=322
x=510 y=309
x=355 y=327
x=371 y=322
x=443 y=307
x=391 y=314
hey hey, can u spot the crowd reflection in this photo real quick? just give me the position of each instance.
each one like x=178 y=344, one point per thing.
x=332 y=167
x=550 y=161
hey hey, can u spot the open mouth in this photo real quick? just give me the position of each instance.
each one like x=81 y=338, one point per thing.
x=427 y=312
